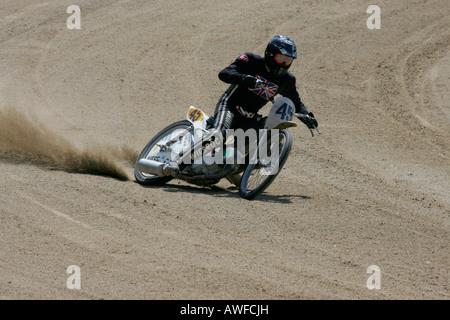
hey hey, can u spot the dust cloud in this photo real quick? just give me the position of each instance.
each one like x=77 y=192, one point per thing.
x=22 y=140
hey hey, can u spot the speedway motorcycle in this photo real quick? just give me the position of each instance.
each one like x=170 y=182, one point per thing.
x=261 y=159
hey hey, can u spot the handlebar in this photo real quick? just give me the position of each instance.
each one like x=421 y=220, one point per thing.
x=261 y=84
x=307 y=116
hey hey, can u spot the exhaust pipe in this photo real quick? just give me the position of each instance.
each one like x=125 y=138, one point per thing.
x=151 y=167
x=157 y=168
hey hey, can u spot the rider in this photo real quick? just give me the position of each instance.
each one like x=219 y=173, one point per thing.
x=238 y=106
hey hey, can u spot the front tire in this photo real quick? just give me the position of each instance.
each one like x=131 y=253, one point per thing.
x=253 y=181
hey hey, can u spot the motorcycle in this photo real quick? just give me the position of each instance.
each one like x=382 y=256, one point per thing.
x=252 y=167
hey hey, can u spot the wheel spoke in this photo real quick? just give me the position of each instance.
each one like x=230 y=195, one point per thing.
x=164 y=147
x=258 y=175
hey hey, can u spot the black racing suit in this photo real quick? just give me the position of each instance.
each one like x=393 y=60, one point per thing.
x=238 y=106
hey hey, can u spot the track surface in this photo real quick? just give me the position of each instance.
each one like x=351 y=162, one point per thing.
x=373 y=189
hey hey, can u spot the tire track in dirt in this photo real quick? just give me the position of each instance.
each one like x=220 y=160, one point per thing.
x=344 y=201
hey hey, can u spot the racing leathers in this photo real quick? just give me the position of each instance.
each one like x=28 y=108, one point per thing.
x=239 y=105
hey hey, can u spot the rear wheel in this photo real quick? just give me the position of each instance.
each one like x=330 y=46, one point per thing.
x=157 y=150
x=256 y=177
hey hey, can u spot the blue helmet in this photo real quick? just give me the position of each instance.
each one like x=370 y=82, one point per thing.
x=279 y=55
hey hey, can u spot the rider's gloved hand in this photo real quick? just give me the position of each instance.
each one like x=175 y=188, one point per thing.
x=310 y=121
x=249 y=81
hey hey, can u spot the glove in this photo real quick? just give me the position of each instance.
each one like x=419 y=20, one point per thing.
x=249 y=81
x=310 y=122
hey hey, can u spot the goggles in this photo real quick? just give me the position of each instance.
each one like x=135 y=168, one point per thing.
x=281 y=59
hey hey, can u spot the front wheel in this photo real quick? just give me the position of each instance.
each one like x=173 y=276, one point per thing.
x=255 y=178
x=176 y=135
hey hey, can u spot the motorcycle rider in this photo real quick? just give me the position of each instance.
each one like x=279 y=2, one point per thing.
x=239 y=105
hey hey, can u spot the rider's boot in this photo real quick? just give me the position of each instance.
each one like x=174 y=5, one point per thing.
x=234 y=179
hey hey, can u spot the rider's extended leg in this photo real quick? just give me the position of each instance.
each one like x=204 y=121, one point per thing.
x=223 y=120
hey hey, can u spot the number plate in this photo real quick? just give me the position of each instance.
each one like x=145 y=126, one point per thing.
x=195 y=114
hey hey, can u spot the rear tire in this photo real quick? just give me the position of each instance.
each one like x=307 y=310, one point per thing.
x=148 y=179
x=253 y=182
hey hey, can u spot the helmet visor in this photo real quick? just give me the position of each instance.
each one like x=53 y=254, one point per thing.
x=283 y=60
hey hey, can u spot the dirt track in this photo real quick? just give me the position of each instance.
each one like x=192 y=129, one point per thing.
x=373 y=189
